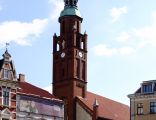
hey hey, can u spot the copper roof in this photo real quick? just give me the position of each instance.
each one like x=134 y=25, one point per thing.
x=108 y=109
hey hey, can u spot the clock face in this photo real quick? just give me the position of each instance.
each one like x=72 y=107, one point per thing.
x=63 y=55
x=80 y=54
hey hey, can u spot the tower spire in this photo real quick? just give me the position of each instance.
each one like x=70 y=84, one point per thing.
x=70 y=3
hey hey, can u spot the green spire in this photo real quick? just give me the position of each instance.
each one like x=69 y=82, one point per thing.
x=70 y=8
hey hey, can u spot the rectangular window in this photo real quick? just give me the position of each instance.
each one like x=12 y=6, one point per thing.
x=6 y=74
x=139 y=108
x=153 y=107
x=6 y=97
x=78 y=68
x=83 y=70
x=147 y=88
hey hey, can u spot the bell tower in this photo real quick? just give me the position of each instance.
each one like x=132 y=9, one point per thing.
x=70 y=59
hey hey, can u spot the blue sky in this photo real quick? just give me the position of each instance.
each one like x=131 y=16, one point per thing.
x=121 y=41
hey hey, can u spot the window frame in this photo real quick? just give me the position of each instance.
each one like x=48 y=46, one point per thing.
x=6 y=98
x=147 y=88
x=6 y=73
x=140 y=109
x=152 y=107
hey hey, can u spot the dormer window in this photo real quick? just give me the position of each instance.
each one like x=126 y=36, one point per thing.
x=147 y=88
x=6 y=74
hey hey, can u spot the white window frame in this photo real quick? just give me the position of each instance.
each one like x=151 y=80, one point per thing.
x=6 y=74
x=7 y=90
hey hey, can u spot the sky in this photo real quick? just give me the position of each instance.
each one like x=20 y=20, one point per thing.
x=121 y=42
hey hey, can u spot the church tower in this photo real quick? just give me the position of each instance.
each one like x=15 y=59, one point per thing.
x=70 y=59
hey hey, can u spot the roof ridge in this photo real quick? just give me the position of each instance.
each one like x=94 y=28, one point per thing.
x=108 y=98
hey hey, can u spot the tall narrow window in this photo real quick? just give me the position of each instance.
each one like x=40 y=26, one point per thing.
x=6 y=74
x=58 y=47
x=83 y=70
x=6 y=97
x=78 y=68
x=153 y=107
x=82 y=45
x=139 y=108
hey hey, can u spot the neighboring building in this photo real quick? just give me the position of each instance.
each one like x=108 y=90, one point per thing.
x=20 y=100
x=143 y=102
x=70 y=73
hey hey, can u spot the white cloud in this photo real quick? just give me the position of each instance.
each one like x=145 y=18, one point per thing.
x=104 y=50
x=48 y=88
x=126 y=50
x=123 y=37
x=146 y=35
x=115 y=13
x=58 y=4
x=21 y=32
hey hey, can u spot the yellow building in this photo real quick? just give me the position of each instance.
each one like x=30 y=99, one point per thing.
x=143 y=102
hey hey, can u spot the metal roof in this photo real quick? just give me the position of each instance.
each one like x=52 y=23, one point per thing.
x=70 y=11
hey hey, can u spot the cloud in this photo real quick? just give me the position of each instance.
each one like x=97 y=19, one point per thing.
x=123 y=37
x=104 y=50
x=145 y=36
x=58 y=7
x=21 y=33
x=115 y=13
x=126 y=50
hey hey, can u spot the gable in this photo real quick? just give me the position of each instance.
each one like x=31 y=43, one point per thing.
x=108 y=109
x=6 y=113
x=81 y=113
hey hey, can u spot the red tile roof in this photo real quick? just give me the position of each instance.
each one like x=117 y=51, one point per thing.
x=107 y=108
x=31 y=90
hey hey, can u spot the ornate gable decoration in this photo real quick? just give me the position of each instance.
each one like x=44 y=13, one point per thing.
x=7 y=68
x=6 y=114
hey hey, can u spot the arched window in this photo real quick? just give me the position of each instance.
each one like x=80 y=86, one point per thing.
x=58 y=47
x=82 y=45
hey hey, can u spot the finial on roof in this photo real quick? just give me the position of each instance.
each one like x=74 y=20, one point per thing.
x=96 y=104
x=6 y=55
x=7 y=44
x=71 y=3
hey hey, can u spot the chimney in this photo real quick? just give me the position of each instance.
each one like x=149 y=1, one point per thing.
x=21 y=78
x=95 y=109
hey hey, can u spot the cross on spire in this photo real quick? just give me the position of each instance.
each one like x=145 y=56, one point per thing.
x=71 y=3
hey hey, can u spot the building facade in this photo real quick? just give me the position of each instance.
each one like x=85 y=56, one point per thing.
x=143 y=102
x=20 y=100
x=70 y=72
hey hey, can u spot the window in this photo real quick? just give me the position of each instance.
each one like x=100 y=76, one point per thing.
x=78 y=68
x=139 y=108
x=153 y=107
x=57 y=47
x=147 y=88
x=82 y=45
x=83 y=70
x=6 y=74
x=6 y=97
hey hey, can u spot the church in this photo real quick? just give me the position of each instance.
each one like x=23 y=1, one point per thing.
x=70 y=72
x=20 y=100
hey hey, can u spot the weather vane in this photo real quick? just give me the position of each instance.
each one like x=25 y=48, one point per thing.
x=7 y=44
